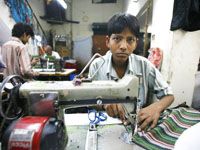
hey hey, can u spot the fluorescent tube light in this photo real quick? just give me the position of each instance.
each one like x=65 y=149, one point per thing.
x=63 y=3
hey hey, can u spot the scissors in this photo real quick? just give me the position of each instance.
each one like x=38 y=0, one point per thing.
x=96 y=117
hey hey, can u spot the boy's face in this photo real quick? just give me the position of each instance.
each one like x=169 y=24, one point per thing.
x=121 y=45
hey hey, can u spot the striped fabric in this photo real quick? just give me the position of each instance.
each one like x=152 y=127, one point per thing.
x=169 y=128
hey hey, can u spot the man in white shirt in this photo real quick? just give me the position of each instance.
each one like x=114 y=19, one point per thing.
x=50 y=52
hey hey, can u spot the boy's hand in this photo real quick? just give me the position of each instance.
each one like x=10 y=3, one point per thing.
x=115 y=110
x=148 y=116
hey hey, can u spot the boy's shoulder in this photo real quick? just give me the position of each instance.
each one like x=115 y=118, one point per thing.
x=105 y=57
x=139 y=58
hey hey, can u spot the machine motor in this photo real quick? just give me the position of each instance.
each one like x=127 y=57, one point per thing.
x=35 y=133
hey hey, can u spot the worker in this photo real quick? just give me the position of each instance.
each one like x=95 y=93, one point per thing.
x=49 y=52
x=15 y=54
x=123 y=33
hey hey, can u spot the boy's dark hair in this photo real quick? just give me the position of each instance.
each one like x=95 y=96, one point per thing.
x=20 y=28
x=120 y=21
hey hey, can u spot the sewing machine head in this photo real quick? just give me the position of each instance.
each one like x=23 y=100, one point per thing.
x=88 y=93
x=39 y=96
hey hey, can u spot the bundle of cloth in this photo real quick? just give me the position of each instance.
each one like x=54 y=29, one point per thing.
x=171 y=125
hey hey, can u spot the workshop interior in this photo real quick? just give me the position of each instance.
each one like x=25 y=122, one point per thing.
x=64 y=107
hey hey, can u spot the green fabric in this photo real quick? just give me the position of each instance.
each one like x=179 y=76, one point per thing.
x=170 y=126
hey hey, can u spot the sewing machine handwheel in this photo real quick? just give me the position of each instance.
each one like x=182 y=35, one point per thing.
x=8 y=106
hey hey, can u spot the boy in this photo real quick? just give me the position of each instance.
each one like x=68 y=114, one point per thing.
x=122 y=38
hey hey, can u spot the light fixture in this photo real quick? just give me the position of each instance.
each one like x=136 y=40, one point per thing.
x=63 y=3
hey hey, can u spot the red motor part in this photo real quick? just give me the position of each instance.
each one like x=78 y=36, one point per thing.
x=35 y=133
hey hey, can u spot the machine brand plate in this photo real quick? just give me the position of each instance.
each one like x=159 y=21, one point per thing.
x=21 y=139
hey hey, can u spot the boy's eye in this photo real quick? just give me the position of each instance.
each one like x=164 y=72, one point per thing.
x=131 y=40
x=117 y=39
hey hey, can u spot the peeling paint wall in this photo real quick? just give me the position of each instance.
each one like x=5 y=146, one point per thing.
x=87 y=13
x=181 y=52
x=185 y=54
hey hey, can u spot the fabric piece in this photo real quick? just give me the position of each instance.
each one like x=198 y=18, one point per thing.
x=155 y=57
x=189 y=139
x=20 y=11
x=152 y=80
x=170 y=126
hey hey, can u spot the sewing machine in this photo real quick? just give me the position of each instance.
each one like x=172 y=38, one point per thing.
x=50 y=63
x=32 y=112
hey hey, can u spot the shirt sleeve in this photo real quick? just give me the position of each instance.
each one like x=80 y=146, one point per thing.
x=159 y=85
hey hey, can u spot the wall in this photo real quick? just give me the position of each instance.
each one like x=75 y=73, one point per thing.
x=161 y=34
x=6 y=23
x=5 y=32
x=134 y=6
x=181 y=51
x=38 y=9
x=185 y=54
x=87 y=13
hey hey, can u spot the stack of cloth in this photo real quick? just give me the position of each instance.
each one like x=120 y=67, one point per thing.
x=170 y=126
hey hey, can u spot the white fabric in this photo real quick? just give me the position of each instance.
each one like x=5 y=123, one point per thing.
x=189 y=139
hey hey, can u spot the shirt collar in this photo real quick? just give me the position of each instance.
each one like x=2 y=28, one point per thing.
x=16 y=39
x=110 y=72
x=130 y=67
